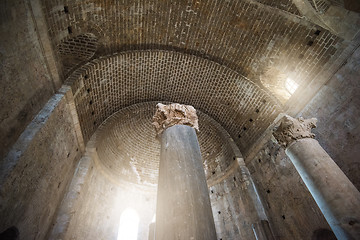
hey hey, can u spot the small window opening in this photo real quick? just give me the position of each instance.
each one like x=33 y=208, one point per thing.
x=66 y=9
x=291 y=85
x=129 y=223
x=69 y=29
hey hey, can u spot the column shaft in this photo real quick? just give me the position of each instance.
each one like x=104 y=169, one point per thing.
x=183 y=202
x=336 y=196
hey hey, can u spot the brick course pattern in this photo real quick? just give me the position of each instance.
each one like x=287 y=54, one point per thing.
x=77 y=50
x=247 y=36
x=129 y=152
x=106 y=85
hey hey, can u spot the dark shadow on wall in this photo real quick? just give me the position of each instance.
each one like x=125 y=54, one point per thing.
x=12 y=233
x=352 y=5
x=323 y=234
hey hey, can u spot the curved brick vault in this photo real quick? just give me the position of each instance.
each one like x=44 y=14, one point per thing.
x=128 y=151
x=106 y=85
x=250 y=37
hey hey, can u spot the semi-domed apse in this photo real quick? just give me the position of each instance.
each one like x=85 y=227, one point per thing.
x=80 y=83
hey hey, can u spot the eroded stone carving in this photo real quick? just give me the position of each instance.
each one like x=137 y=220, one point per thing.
x=291 y=129
x=174 y=114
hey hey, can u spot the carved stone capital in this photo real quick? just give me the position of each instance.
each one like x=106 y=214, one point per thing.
x=174 y=114
x=292 y=129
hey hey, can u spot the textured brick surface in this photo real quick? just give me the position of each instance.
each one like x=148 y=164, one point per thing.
x=77 y=50
x=121 y=53
x=250 y=37
x=106 y=85
x=128 y=150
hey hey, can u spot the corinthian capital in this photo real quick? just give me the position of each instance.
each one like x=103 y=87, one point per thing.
x=174 y=114
x=292 y=129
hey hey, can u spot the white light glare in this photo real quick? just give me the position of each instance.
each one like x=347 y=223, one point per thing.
x=129 y=222
x=291 y=85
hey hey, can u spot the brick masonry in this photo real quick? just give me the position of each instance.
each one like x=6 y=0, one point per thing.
x=251 y=37
x=106 y=85
x=129 y=152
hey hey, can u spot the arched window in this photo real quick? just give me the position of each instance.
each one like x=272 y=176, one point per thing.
x=129 y=222
x=291 y=85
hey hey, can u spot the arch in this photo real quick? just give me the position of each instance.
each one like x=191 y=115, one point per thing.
x=108 y=84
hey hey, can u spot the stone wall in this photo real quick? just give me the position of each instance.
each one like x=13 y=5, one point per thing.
x=336 y=106
x=233 y=208
x=25 y=80
x=93 y=205
x=38 y=169
x=292 y=212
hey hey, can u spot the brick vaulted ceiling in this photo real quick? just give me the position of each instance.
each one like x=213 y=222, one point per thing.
x=247 y=36
x=118 y=53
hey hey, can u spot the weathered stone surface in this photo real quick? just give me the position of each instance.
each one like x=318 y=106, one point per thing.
x=36 y=172
x=174 y=114
x=336 y=106
x=197 y=52
x=337 y=198
x=286 y=198
x=25 y=80
x=291 y=129
x=183 y=209
x=93 y=205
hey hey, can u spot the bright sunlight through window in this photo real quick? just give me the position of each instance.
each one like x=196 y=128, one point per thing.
x=129 y=222
x=291 y=85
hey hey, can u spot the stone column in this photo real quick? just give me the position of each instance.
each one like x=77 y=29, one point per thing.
x=151 y=231
x=336 y=196
x=183 y=203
